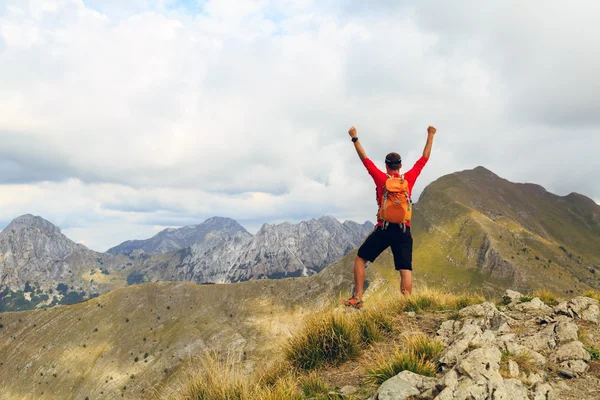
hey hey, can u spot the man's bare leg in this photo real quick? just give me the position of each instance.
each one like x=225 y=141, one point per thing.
x=359 y=277
x=406 y=282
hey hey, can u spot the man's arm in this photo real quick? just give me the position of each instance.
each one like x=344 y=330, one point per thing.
x=430 y=134
x=359 y=149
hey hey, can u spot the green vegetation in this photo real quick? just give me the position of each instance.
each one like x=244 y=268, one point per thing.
x=384 y=367
x=313 y=386
x=594 y=353
x=526 y=299
x=419 y=354
x=325 y=340
x=135 y=278
x=546 y=296
x=436 y=300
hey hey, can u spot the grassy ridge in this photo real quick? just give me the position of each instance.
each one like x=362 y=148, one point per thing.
x=328 y=338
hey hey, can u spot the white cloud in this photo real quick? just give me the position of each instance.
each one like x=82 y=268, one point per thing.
x=122 y=117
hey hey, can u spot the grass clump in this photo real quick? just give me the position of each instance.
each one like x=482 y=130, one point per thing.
x=373 y=324
x=592 y=294
x=594 y=353
x=423 y=346
x=325 y=340
x=436 y=300
x=419 y=354
x=526 y=299
x=546 y=296
x=524 y=360
x=384 y=367
x=313 y=386
x=222 y=379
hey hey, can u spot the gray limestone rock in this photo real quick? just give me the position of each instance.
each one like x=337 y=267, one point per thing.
x=580 y=307
x=571 y=351
x=566 y=331
x=481 y=364
x=534 y=305
x=513 y=369
x=512 y=297
x=575 y=366
x=543 y=391
x=484 y=315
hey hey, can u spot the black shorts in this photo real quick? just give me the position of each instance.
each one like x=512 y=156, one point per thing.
x=393 y=236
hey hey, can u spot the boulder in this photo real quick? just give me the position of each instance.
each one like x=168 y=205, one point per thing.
x=513 y=369
x=534 y=305
x=571 y=351
x=576 y=367
x=566 y=332
x=543 y=391
x=512 y=297
x=481 y=364
x=447 y=330
x=509 y=389
x=460 y=343
x=545 y=339
x=585 y=308
x=484 y=315
x=404 y=385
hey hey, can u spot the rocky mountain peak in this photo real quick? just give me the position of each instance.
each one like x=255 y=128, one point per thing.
x=29 y=221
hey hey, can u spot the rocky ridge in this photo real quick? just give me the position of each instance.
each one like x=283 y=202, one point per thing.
x=484 y=342
x=174 y=239
x=276 y=251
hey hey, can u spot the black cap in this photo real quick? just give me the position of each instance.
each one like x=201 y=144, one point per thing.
x=393 y=159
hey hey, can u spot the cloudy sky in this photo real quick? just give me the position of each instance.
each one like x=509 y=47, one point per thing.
x=121 y=118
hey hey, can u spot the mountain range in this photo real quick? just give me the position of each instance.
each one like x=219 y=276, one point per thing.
x=41 y=266
x=472 y=230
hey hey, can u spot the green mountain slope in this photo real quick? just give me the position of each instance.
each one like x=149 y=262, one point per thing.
x=475 y=229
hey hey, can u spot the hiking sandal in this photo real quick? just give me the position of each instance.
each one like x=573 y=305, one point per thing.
x=353 y=302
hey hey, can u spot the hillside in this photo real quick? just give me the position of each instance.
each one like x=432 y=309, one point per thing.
x=151 y=331
x=475 y=229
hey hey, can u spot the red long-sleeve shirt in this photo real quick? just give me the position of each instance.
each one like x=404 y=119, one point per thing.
x=380 y=177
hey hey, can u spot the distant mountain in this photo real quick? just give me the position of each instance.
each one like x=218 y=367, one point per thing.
x=170 y=240
x=35 y=258
x=39 y=266
x=276 y=251
x=477 y=230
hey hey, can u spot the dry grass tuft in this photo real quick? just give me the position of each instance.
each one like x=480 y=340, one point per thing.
x=383 y=367
x=313 y=386
x=436 y=300
x=524 y=360
x=547 y=297
x=326 y=339
x=594 y=294
x=423 y=346
x=419 y=354
x=223 y=379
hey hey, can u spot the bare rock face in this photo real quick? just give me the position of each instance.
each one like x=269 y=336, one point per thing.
x=276 y=251
x=33 y=250
x=170 y=240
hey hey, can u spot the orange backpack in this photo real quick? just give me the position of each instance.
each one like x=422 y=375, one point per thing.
x=396 y=205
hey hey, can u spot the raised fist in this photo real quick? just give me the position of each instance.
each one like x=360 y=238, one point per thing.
x=431 y=130
x=352 y=132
